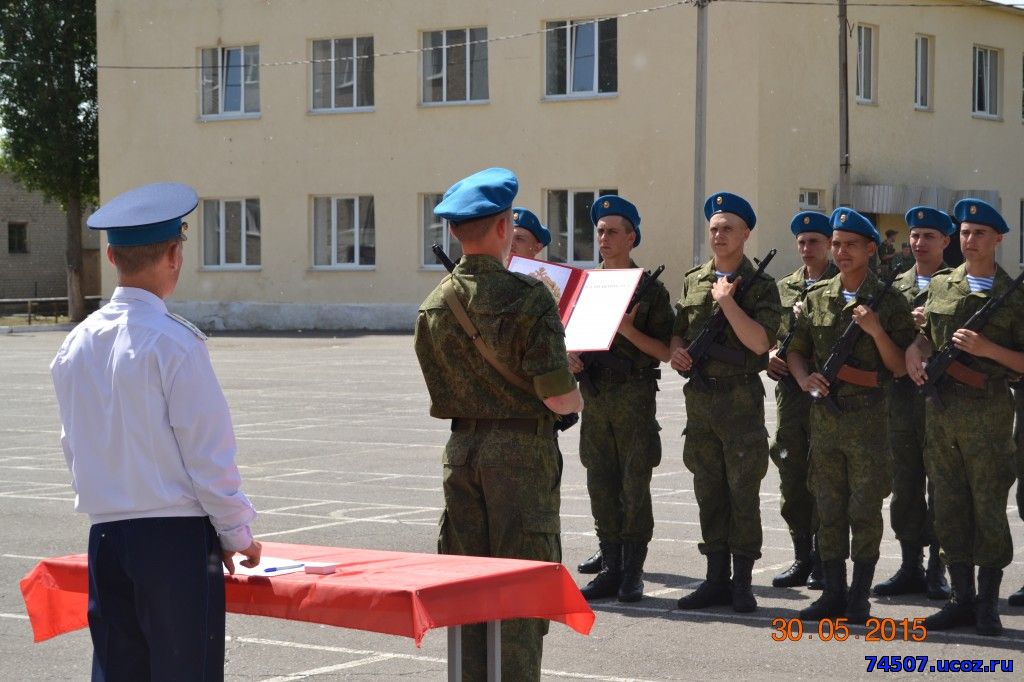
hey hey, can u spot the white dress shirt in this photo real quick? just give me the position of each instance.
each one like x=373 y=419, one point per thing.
x=146 y=429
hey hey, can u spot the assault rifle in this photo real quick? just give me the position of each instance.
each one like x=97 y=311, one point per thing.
x=835 y=369
x=783 y=348
x=705 y=344
x=563 y=422
x=946 y=361
x=603 y=359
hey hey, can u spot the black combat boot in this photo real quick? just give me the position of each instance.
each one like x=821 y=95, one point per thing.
x=935 y=575
x=591 y=565
x=858 y=606
x=796 y=574
x=986 y=607
x=606 y=582
x=716 y=590
x=832 y=602
x=909 y=578
x=816 y=580
x=959 y=610
x=1017 y=598
x=633 y=556
x=742 y=596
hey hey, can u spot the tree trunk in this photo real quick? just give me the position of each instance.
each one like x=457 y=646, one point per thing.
x=76 y=299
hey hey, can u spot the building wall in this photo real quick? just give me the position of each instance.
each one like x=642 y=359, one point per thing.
x=40 y=272
x=772 y=128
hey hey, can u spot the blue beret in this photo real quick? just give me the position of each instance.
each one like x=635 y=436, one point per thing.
x=810 y=221
x=981 y=213
x=613 y=204
x=526 y=219
x=145 y=215
x=848 y=220
x=726 y=202
x=926 y=216
x=482 y=194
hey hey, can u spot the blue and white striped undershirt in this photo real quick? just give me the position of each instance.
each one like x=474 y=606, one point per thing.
x=980 y=283
x=849 y=295
x=923 y=281
x=719 y=274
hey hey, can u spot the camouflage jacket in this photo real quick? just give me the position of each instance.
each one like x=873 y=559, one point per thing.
x=654 y=317
x=950 y=303
x=906 y=284
x=517 y=317
x=695 y=306
x=792 y=288
x=827 y=314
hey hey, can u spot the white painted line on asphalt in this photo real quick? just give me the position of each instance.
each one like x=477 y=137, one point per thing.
x=331 y=668
x=14 y=616
x=23 y=556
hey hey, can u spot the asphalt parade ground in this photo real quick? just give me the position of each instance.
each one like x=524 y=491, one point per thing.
x=336 y=448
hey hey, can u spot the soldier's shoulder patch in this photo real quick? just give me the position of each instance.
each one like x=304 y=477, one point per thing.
x=692 y=270
x=188 y=325
x=817 y=286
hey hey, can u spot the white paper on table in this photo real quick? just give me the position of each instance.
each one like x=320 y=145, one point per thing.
x=272 y=562
x=599 y=308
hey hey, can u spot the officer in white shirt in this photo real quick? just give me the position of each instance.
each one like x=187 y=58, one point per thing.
x=147 y=436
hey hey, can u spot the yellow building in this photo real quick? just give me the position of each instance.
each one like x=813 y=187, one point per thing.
x=320 y=133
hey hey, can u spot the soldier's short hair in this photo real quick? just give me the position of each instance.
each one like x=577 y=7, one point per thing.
x=477 y=229
x=131 y=260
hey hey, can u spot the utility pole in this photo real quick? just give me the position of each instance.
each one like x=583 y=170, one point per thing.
x=700 y=132
x=843 y=198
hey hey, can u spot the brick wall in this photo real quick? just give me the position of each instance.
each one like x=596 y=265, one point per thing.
x=41 y=271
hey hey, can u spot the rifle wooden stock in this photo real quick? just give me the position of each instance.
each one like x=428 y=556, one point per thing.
x=966 y=375
x=858 y=377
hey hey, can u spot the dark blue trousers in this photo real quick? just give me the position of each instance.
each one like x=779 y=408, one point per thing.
x=156 y=601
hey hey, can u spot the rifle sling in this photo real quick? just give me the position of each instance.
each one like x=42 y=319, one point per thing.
x=474 y=334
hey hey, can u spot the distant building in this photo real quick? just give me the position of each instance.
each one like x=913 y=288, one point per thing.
x=321 y=134
x=33 y=239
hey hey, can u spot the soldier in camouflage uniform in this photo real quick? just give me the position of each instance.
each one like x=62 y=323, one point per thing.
x=850 y=462
x=1017 y=598
x=911 y=510
x=502 y=469
x=969 y=448
x=620 y=443
x=790 y=449
x=726 y=442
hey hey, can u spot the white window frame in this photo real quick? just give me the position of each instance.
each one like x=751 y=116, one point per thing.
x=596 y=93
x=1020 y=236
x=467 y=45
x=924 y=85
x=358 y=231
x=222 y=235
x=334 y=108
x=866 y=74
x=992 y=81
x=570 y=221
x=804 y=202
x=446 y=235
x=222 y=77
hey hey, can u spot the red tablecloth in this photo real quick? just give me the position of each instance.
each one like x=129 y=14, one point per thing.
x=396 y=593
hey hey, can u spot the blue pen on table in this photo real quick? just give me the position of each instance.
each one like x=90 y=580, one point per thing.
x=274 y=569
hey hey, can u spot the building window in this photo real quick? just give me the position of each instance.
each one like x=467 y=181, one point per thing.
x=343 y=232
x=17 y=237
x=865 y=63
x=923 y=72
x=435 y=231
x=582 y=57
x=230 y=81
x=986 y=81
x=231 y=233
x=343 y=74
x=810 y=200
x=455 y=66
x=572 y=233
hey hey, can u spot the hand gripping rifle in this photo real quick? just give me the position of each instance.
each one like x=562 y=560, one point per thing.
x=946 y=360
x=705 y=344
x=563 y=422
x=597 y=359
x=835 y=369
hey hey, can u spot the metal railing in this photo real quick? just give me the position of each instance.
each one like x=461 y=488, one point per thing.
x=47 y=306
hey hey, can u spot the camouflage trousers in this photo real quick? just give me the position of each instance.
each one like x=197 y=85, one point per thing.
x=851 y=474
x=790 y=451
x=912 y=507
x=969 y=453
x=726 y=450
x=620 y=444
x=501 y=495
